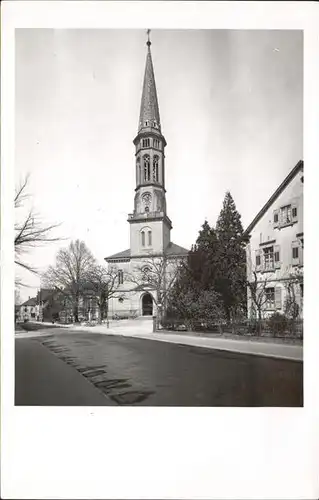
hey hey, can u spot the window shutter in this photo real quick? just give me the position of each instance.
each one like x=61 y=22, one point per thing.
x=295 y=260
x=301 y=254
x=278 y=297
x=294 y=210
x=276 y=218
x=258 y=262
x=277 y=256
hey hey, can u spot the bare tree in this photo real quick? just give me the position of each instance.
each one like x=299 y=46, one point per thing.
x=158 y=274
x=104 y=284
x=292 y=307
x=30 y=230
x=258 y=293
x=71 y=273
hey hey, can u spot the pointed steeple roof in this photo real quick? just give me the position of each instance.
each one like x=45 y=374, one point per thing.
x=149 y=113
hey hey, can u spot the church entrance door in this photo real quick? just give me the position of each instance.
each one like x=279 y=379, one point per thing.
x=147 y=305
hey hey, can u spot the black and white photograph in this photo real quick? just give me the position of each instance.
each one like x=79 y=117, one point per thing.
x=159 y=233
x=156 y=337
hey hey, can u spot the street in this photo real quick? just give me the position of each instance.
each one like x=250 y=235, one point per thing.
x=84 y=368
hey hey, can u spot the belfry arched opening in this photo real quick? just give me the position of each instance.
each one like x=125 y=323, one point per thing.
x=147 y=305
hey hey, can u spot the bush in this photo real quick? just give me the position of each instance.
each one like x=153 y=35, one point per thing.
x=278 y=323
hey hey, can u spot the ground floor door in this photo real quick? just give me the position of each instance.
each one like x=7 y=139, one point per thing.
x=147 y=305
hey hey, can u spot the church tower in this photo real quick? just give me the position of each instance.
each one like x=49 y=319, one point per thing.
x=149 y=224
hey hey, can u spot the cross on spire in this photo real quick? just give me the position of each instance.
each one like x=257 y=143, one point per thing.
x=148 y=37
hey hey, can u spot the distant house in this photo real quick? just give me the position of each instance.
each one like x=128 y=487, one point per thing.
x=88 y=309
x=29 y=310
x=46 y=306
x=50 y=304
x=53 y=305
x=274 y=251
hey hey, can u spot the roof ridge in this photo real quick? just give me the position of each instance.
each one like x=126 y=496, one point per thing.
x=274 y=196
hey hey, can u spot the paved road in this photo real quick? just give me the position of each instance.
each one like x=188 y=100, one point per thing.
x=134 y=371
x=42 y=379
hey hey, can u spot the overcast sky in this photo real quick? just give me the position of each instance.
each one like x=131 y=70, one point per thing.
x=231 y=112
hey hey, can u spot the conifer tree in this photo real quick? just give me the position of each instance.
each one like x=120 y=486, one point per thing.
x=205 y=256
x=232 y=260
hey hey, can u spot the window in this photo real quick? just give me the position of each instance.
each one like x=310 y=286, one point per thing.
x=138 y=163
x=285 y=215
x=146 y=143
x=146 y=159
x=258 y=260
x=301 y=290
x=156 y=143
x=143 y=238
x=146 y=274
x=155 y=168
x=269 y=257
x=277 y=256
x=150 y=238
x=120 y=276
x=270 y=298
x=296 y=253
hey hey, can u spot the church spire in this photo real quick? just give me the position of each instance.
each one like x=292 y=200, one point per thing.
x=149 y=113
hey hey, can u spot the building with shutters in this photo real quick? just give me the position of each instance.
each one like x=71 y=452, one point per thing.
x=275 y=248
x=150 y=226
x=29 y=310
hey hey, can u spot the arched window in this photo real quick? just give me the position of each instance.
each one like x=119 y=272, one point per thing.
x=155 y=168
x=146 y=274
x=120 y=276
x=138 y=163
x=149 y=238
x=143 y=238
x=147 y=172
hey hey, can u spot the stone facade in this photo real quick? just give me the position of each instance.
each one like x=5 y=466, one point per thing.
x=150 y=226
x=275 y=248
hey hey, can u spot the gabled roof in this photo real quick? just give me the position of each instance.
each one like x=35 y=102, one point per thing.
x=125 y=254
x=273 y=198
x=30 y=302
x=172 y=250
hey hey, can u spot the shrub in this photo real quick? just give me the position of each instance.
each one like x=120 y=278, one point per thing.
x=278 y=323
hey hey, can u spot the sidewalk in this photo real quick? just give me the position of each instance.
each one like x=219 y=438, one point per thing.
x=143 y=330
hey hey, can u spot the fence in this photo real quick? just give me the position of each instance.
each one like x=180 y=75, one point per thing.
x=279 y=327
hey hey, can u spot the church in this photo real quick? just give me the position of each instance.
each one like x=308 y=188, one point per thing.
x=147 y=269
